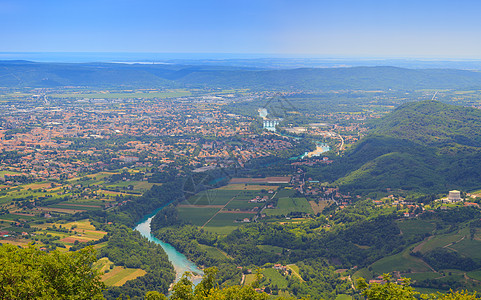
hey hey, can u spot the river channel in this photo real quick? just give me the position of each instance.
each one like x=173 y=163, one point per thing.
x=179 y=261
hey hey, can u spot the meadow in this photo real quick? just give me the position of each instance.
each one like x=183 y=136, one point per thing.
x=290 y=205
x=113 y=275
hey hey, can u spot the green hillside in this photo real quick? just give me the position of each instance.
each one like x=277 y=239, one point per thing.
x=423 y=146
x=433 y=123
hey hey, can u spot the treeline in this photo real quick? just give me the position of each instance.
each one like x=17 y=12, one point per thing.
x=129 y=249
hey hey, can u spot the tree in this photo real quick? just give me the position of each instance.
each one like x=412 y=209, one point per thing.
x=387 y=289
x=392 y=290
x=459 y=295
x=28 y=273
x=182 y=290
x=208 y=289
x=208 y=285
x=154 y=295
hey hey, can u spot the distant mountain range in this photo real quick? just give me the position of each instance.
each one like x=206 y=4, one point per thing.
x=425 y=146
x=113 y=75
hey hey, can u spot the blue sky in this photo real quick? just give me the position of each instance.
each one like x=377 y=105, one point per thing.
x=422 y=28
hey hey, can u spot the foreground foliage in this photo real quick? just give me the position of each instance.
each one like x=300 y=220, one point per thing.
x=28 y=273
x=129 y=249
x=209 y=289
x=403 y=290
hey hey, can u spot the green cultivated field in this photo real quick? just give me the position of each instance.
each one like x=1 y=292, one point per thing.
x=200 y=208
x=242 y=205
x=285 y=193
x=120 y=275
x=221 y=230
x=475 y=275
x=197 y=216
x=214 y=252
x=138 y=186
x=211 y=197
x=249 y=279
x=228 y=219
x=469 y=248
x=444 y=239
x=287 y=205
x=275 y=277
x=415 y=227
x=422 y=276
x=11 y=217
x=73 y=206
x=364 y=273
x=400 y=262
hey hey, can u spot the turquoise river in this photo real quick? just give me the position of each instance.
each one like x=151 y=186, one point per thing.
x=179 y=261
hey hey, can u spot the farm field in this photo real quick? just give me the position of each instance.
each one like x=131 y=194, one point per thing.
x=469 y=248
x=116 y=275
x=289 y=205
x=475 y=275
x=403 y=262
x=249 y=279
x=214 y=252
x=275 y=277
x=36 y=201
x=248 y=187
x=415 y=227
x=242 y=205
x=319 y=207
x=221 y=230
x=211 y=197
x=70 y=233
x=422 y=276
x=228 y=218
x=15 y=241
x=103 y=265
x=197 y=216
x=120 y=275
x=223 y=207
x=138 y=186
x=444 y=240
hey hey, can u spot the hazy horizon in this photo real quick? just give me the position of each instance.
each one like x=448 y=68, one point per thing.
x=266 y=61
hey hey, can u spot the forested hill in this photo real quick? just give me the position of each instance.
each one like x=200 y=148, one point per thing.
x=432 y=123
x=30 y=74
x=423 y=146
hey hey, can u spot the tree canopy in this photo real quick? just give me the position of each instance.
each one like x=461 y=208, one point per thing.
x=29 y=273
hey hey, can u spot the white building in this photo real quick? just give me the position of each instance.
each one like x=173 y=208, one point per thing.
x=454 y=196
x=270 y=124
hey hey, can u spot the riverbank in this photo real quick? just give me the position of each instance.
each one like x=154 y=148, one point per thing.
x=320 y=148
x=179 y=261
